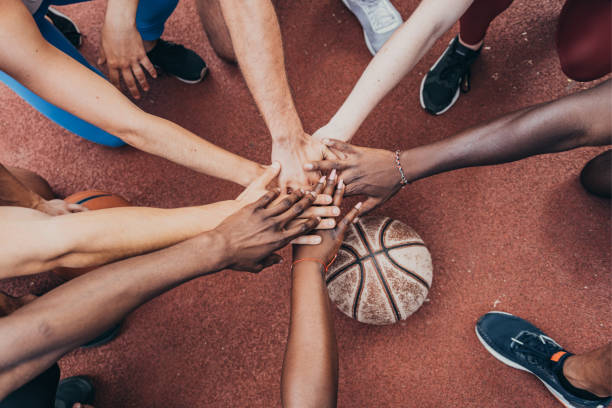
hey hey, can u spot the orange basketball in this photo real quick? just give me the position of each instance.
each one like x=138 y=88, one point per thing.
x=382 y=273
x=92 y=200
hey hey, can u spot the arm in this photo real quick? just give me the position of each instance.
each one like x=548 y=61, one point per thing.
x=430 y=20
x=85 y=94
x=310 y=366
x=42 y=331
x=256 y=38
x=581 y=119
x=122 y=47
x=13 y=192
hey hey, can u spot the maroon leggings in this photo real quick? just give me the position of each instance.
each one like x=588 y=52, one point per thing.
x=584 y=34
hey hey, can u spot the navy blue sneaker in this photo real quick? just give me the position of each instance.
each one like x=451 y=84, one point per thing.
x=72 y=390
x=519 y=344
x=449 y=76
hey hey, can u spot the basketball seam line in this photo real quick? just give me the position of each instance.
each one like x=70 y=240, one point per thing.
x=375 y=262
x=385 y=251
x=365 y=257
x=86 y=199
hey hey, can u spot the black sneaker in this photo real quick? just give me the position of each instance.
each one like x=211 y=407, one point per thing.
x=449 y=75
x=178 y=61
x=72 y=390
x=519 y=344
x=66 y=26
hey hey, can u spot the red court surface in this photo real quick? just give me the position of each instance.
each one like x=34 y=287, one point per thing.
x=522 y=237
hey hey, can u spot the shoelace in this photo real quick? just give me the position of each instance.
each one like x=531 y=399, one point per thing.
x=537 y=345
x=379 y=15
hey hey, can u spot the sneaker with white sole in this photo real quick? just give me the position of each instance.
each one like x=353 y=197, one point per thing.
x=178 y=61
x=519 y=344
x=378 y=18
x=66 y=26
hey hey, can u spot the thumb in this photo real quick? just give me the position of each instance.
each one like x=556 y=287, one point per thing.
x=268 y=175
x=102 y=56
x=370 y=204
x=338 y=145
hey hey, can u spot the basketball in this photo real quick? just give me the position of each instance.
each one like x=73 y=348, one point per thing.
x=92 y=200
x=382 y=272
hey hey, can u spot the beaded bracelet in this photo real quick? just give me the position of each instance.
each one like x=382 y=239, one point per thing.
x=398 y=164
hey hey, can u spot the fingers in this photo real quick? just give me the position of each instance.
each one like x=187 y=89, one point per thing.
x=271 y=260
x=266 y=199
x=323 y=212
x=331 y=183
x=130 y=82
x=307 y=240
x=339 y=194
x=325 y=165
x=76 y=208
x=285 y=204
x=348 y=219
x=300 y=228
x=296 y=209
x=140 y=76
x=339 y=146
x=323 y=199
x=146 y=63
x=325 y=224
x=101 y=57
x=113 y=76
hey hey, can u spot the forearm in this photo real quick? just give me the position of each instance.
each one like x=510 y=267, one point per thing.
x=256 y=38
x=399 y=55
x=310 y=368
x=85 y=94
x=14 y=193
x=577 y=120
x=96 y=237
x=52 y=324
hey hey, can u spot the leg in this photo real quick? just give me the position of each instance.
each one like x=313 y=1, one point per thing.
x=584 y=39
x=591 y=371
x=215 y=29
x=33 y=182
x=151 y=19
x=595 y=177
x=60 y=116
x=476 y=20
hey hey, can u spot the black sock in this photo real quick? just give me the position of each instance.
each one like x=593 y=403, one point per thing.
x=578 y=392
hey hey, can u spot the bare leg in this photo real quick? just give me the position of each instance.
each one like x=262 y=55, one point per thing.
x=596 y=177
x=591 y=371
x=215 y=28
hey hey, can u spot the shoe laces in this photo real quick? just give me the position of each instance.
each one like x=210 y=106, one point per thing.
x=537 y=348
x=378 y=13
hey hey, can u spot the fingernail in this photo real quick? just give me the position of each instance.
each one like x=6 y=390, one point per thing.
x=332 y=175
x=318 y=220
x=336 y=211
x=314 y=194
x=308 y=166
x=276 y=165
x=322 y=179
x=316 y=240
x=359 y=204
x=355 y=220
x=326 y=141
x=302 y=190
x=341 y=184
x=327 y=200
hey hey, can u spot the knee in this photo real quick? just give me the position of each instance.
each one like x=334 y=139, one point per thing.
x=224 y=49
x=33 y=181
x=596 y=176
x=581 y=64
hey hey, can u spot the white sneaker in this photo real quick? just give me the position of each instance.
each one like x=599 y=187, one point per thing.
x=378 y=18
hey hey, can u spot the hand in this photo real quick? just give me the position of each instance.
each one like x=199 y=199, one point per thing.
x=330 y=240
x=58 y=207
x=371 y=172
x=332 y=131
x=320 y=208
x=122 y=49
x=292 y=156
x=252 y=234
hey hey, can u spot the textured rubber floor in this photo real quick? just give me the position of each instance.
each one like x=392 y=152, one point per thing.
x=522 y=237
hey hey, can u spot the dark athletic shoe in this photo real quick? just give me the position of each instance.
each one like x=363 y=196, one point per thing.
x=66 y=26
x=519 y=344
x=449 y=75
x=72 y=390
x=178 y=61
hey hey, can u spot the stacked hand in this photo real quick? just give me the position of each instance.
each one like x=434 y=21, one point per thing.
x=58 y=207
x=252 y=234
x=366 y=171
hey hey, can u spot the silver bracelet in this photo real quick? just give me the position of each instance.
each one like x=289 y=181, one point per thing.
x=398 y=164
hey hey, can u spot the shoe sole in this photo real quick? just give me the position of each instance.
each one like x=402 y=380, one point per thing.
x=76 y=27
x=512 y=364
x=203 y=74
x=423 y=85
x=365 y=34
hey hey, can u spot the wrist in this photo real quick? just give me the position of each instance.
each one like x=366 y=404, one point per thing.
x=216 y=247
x=120 y=16
x=309 y=265
x=340 y=129
x=418 y=163
x=289 y=138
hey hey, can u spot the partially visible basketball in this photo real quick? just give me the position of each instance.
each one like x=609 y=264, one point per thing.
x=382 y=273
x=92 y=200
